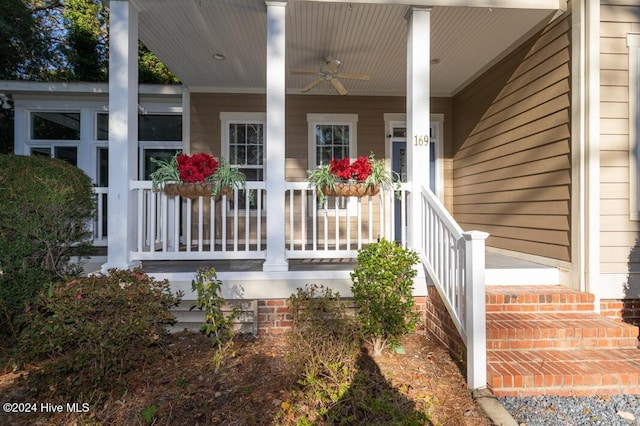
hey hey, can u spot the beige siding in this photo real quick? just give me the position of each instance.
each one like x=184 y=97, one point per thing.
x=618 y=234
x=512 y=161
x=205 y=124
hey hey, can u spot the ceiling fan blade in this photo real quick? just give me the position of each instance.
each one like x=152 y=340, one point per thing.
x=338 y=86
x=311 y=85
x=300 y=72
x=352 y=76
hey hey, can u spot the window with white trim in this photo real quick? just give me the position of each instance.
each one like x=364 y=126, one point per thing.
x=332 y=136
x=243 y=142
x=243 y=145
x=159 y=137
x=55 y=134
x=633 y=42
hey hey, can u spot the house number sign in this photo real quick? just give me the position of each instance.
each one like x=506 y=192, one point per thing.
x=421 y=140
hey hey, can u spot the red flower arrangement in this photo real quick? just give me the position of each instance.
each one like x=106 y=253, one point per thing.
x=196 y=167
x=359 y=170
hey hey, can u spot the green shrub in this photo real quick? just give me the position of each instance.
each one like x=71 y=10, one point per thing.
x=46 y=205
x=323 y=349
x=90 y=331
x=382 y=287
x=216 y=325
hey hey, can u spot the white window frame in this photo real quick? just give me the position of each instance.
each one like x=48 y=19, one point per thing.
x=51 y=144
x=351 y=120
x=228 y=118
x=633 y=42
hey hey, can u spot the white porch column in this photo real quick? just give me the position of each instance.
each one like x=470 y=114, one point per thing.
x=275 y=134
x=418 y=115
x=123 y=133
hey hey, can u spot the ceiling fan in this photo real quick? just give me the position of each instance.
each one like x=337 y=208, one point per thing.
x=329 y=72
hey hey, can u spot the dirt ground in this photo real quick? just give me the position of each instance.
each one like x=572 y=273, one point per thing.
x=252 y=387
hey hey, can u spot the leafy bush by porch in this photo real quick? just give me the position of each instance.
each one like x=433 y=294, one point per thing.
x=383 y=290
x=46 y=205
x=92 y=331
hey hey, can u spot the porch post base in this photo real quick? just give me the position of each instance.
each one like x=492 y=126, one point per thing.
x=129 y=265
x=275 y=266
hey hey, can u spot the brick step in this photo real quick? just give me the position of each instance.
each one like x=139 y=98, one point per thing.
x=548 y=298
x=564 y=373
x=557 y=330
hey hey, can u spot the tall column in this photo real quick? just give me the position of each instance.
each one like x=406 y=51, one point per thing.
x=275 y=137
x=123 y=133
x=418 y=115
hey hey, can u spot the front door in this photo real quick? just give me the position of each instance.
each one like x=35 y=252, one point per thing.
x=399 y=167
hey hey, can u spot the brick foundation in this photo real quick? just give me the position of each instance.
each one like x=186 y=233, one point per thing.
x=275 y=317
x=440 y=326
x=626 y=310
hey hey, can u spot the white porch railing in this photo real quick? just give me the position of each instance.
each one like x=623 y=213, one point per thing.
x=455 y=263
x=176 y=228
x=339 y=227
x=100 y=221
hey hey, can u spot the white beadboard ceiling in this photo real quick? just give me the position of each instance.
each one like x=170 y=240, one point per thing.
x=366 y=38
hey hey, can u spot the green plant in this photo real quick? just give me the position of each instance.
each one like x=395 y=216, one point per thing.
x=382 y=287
x=91 y=331
x=217 y=325
x=200 y=167
x=324 y=346
x=148 y=412
x=366 y=170
x=166 y=171
x=45 y=208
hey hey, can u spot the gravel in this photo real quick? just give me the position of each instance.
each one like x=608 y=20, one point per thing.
x=616 y=410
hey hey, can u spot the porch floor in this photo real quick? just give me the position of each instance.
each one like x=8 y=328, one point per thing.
x=493 y=261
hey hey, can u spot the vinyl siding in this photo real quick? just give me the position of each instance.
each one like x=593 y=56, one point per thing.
x=512 y=160
x=205 y=124
x=619 y=250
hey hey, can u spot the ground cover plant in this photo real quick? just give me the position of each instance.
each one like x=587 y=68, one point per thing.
x=86 y=334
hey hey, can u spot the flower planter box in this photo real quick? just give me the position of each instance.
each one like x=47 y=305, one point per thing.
x=351 y=189
x=193 y=190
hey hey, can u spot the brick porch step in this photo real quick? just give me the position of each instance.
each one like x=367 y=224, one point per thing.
x=549 y=298
x=564 y=373
x=558 y=330
x=548 y=340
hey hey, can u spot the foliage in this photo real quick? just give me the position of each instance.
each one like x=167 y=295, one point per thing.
x=23 y=47
x=324 y=347
x=86 y=50
x=198 y=167
x=94 y=330
x=367 y=170
x=151 y=70
x=216 y=325
x=46 y=206
x=382 y=287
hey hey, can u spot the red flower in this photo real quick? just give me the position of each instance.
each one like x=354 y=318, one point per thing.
x=196 y=168
x=342 y=169
x=361 y=169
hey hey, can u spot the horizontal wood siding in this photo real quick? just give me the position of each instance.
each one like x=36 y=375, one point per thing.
x=619 y=248
x=205 y=124
x=512 y=161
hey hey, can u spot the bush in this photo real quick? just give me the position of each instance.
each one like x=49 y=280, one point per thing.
x=46 y=204
x=216 y=325
x=382 y=287
x=323 y=348
x=93 y=330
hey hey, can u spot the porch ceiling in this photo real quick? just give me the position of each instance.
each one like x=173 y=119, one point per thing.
x=366 y=38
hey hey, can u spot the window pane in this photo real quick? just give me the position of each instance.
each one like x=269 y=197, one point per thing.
x=156 y=127
x=66 y=153
x=399 y=132
x=103 y=167
x=158 y=154
x=55 y=126
x=41 y=152
x=102 y=126
x=332 y=142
